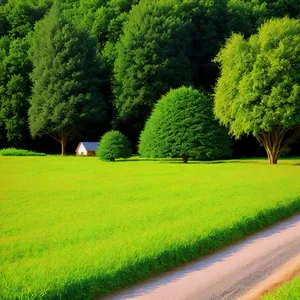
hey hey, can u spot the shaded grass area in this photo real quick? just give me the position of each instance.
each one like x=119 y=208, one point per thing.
x=75 y=228
x=289 y=291
x=19 y=152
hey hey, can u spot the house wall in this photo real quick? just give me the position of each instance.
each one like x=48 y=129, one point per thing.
x=81 y=150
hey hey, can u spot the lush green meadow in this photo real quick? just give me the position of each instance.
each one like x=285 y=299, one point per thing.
x=289 y=291
x=74 y=227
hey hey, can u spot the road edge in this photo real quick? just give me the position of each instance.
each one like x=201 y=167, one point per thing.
x=279 y=277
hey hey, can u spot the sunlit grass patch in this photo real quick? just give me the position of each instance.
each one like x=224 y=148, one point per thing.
x=75 y=228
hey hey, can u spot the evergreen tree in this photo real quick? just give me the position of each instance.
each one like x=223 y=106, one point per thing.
x=66 y=95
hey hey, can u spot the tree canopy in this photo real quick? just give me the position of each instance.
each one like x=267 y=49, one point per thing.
x=167 y=44
x=151 y=58
x=259 y=89
x=143 y=48
x=182 y=124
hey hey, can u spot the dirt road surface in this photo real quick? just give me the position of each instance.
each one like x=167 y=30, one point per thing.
x=228 y=274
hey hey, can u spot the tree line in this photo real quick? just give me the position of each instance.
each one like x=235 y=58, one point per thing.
x=74 y=69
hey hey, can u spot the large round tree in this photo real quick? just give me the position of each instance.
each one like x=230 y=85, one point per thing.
x=182 y=124
x=258 y=92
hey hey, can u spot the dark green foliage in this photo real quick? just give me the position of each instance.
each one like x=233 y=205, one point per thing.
x=19 y=16
x=151 y=58
x=113 y=144
x=282 y=8
x=258 y=92
x=19 y=152
x=15 y=90
x=66 y=94
x=164 y=44
x=4 y=26
x=167 y=44
x=109 y=19
x=182 y=125
x=246 y=16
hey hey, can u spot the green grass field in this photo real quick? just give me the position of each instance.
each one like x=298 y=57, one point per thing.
x=289 y=291
x=76 y=227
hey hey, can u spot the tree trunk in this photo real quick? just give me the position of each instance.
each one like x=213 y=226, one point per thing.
x=185 y=158
x=272 y=142
x=62 y=138
x=63 y=143
x=277 y=141
x=273 y=157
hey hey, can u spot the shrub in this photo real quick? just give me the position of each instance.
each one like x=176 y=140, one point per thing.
x=113 y=144
x=183 y=124
x=19 y=152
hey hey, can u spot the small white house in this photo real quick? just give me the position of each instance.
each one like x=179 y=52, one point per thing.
x=87 y=148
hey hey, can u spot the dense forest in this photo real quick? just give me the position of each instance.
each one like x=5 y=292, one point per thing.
x=111 y=60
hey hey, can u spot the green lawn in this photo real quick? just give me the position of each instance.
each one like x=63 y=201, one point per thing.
x=289 y=291
x=75 y=227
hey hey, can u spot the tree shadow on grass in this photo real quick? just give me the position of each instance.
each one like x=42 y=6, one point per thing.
x=150 y=159
x=194 y=162
x=258 y=161
x=249 y=162
x=214 y=162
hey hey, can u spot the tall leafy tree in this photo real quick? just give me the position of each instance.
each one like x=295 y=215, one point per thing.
x=15 y=90
x=151 y=58
x=66 y=88
x=259 y=89
x=104 y=20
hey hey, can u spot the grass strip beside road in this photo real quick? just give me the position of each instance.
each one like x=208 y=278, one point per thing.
x=289 y=291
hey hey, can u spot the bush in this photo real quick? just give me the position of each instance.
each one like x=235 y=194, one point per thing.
x=19 y=152
x=113 y=144
x=183 y=124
